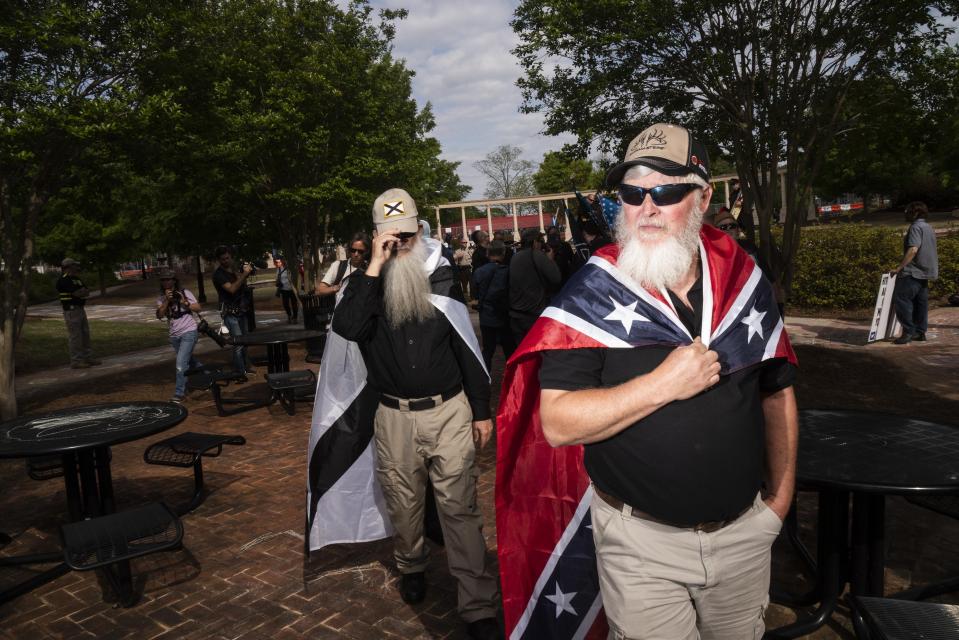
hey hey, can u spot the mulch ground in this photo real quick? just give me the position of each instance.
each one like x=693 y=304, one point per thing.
x=243 y=573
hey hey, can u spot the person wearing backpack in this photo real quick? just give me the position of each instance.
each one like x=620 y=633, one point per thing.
x=491 y=287
x=340 y=270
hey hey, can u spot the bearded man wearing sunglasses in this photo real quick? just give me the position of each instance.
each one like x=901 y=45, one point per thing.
x=665 y=357
x=407 y=316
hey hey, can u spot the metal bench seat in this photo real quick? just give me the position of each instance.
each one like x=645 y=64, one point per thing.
x=291 y=385
x=118 y=537
x=891 y=619
x=188 y=450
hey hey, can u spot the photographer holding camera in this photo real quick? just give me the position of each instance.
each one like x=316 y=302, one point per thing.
x=231 y=288
x=177 y=306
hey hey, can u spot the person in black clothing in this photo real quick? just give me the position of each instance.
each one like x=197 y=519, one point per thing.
x=693 y=471
x=480 y=243
x=286 y=290
x=491 y=284
x=562 y=253
x=434 y=409
x=533 y=278
x=233 y=292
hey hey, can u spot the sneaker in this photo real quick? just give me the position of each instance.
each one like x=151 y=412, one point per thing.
x=905 y=338
x=177 y=399
x=94 y=362
x=80 y=365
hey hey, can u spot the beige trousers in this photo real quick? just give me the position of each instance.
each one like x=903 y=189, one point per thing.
x=78 y=334
x=663 y=583
x=437 y=442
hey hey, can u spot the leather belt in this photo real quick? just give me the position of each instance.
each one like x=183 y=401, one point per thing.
x=419 y=404
x=705 y=527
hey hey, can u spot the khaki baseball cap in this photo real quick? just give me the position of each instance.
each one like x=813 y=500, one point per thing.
x=395 y=209
x=69 y=262
x=666 y=148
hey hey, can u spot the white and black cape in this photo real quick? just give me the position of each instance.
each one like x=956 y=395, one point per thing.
x=344 y=502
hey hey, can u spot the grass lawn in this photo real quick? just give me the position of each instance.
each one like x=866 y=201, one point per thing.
x=43 y=343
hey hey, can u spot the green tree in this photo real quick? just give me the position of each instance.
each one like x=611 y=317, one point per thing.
x=65 y=83
x=764 y=80
x=559 y=172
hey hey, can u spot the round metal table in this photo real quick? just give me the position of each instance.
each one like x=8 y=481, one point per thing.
x=276 y=341
x=83 y=437
x=866 y=455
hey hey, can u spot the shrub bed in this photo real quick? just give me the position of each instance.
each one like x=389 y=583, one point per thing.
x=840 y=267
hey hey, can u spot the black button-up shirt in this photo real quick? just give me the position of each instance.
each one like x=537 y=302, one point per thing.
x=413 y=360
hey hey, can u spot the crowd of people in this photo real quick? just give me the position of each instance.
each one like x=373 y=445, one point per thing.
x=689 y=430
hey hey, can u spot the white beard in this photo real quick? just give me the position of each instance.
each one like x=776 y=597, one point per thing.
x=661 y=265
x=406 y=291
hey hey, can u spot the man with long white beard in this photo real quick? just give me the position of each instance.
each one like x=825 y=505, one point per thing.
x=423 y=359
x=665 y=357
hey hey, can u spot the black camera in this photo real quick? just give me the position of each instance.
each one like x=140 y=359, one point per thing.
x=202 y=326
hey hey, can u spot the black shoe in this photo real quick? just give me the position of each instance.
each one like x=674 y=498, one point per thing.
x=413 y=587
x=905 y=338
x=484 y=629
x=921 y=336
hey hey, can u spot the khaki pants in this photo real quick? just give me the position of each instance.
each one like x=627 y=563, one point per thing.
x=78 y=334
x=660 y=582
x=438 y=442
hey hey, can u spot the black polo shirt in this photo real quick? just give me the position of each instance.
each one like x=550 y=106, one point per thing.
x=414 y=360
x=695 y=460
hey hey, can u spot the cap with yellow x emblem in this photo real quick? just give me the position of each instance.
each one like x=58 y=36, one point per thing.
x=395 y=209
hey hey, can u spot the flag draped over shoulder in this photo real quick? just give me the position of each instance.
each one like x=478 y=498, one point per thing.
x=344 y=502
x=546 y=555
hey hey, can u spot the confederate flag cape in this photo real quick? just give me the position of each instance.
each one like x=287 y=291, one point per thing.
x=344 y=502
x=545 y=543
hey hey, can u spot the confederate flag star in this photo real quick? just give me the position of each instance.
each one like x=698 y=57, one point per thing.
x=625 y=314
x=755 y=323
x=562 y=601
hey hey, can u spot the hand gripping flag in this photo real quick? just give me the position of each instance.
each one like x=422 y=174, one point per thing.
x=545 y=545
x=344 y=502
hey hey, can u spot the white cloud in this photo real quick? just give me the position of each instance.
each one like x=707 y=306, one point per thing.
x=460 y=51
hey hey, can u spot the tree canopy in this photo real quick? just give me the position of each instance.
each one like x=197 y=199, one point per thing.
x=134 y=126
x=762 y=81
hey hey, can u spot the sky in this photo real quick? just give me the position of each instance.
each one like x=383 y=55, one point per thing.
x=460 y=51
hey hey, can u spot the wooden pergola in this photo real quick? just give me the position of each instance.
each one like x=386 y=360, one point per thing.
x=512 y=203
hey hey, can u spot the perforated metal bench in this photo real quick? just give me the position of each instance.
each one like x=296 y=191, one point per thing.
x=891 y=619
x=119 y=537
x=188 y=450
x=215 y=380
x=291 y=385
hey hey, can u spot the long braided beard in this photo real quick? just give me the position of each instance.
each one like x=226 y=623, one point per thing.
x=406 y=295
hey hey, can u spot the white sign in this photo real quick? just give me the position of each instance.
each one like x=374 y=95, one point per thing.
x=884 y=322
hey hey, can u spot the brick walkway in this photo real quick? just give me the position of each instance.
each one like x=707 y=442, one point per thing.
x=243 y=574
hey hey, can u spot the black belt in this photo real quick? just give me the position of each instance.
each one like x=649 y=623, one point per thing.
x=419 y=404
x=705 y=527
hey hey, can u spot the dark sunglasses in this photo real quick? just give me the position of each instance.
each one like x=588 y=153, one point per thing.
x=663 y=195
x=352 y=250
x=406 y=235
x=729 y=226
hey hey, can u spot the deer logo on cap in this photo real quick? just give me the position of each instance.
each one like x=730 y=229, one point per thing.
x=654 y=139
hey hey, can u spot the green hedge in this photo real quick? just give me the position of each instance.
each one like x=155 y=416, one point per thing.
x=839 y=267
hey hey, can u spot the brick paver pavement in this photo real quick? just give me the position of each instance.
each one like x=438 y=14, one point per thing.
x=242 y=572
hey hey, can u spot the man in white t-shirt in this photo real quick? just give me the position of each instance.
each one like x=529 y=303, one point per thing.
x=340 y=270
